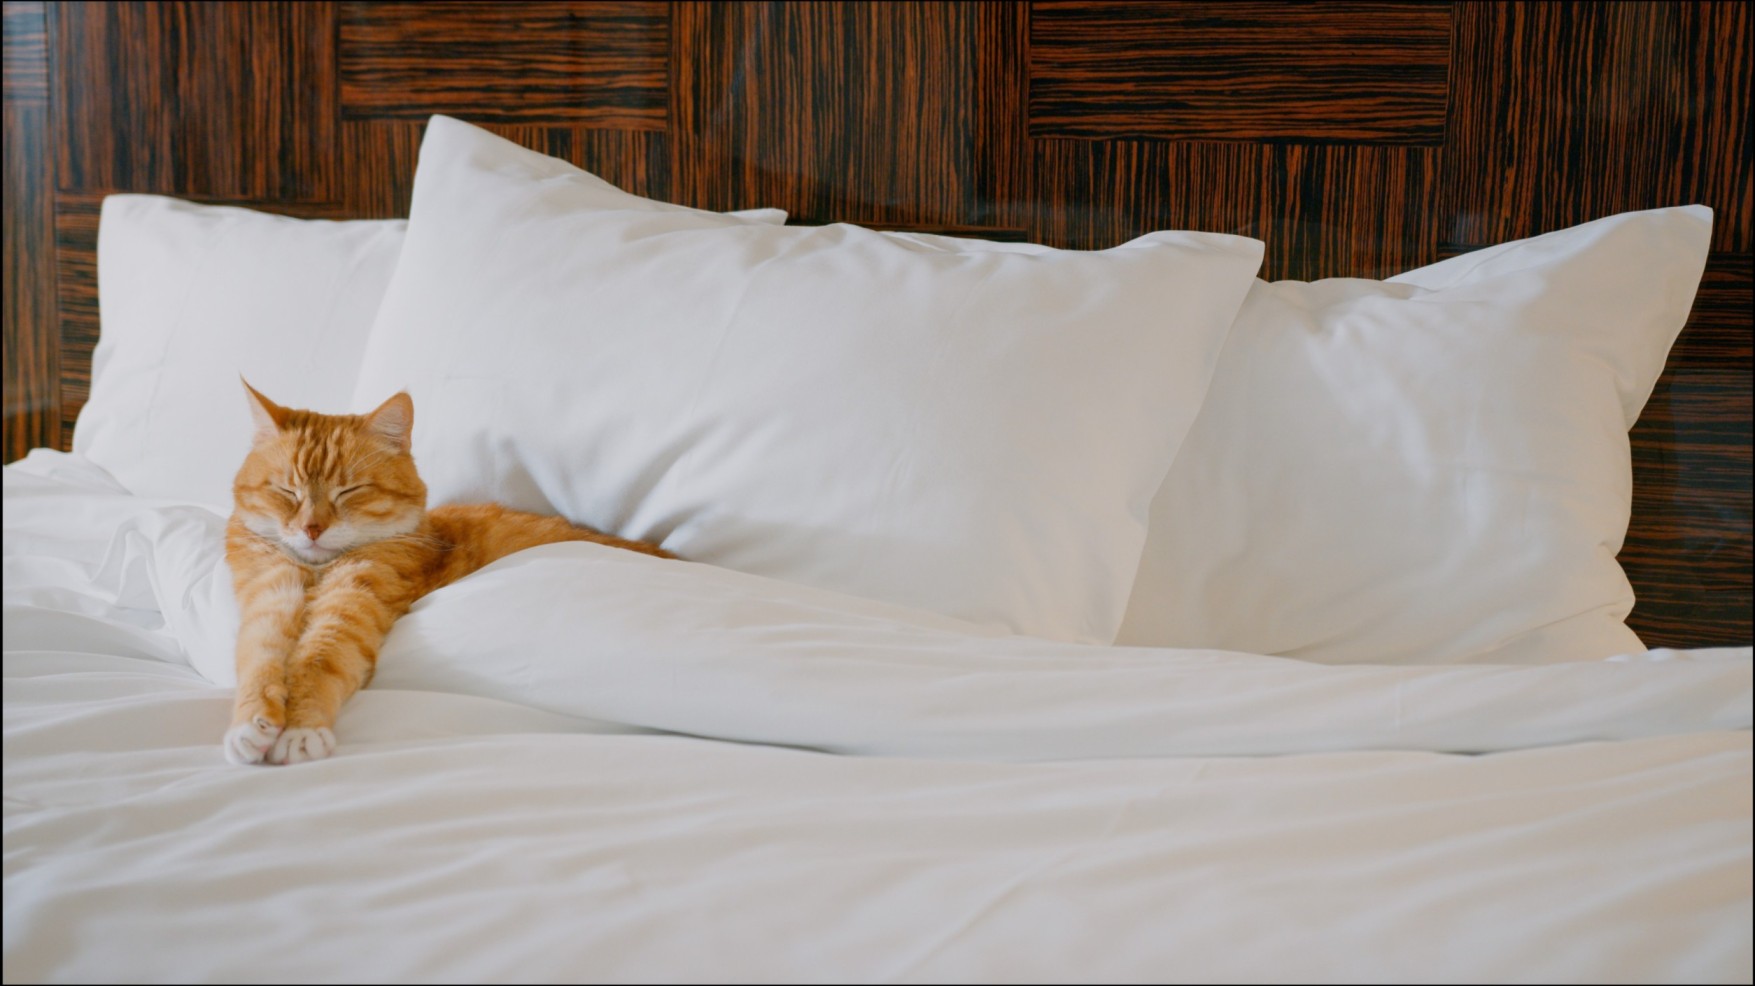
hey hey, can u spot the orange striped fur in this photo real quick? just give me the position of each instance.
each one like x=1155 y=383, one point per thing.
x=329 y=542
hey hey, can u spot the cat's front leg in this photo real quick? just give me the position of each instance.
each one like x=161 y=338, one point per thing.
x=271 y=608
x=351 y=610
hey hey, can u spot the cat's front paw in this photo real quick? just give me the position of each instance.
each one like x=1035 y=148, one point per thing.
x=301 y=744
x=248 y=742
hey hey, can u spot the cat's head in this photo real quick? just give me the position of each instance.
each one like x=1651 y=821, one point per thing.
x=320 y=484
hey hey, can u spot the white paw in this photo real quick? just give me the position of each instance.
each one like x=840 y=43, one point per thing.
x=249 y=742
x=299 y=745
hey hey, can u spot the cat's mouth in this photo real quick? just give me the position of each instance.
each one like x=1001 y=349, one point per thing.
x=312 y=554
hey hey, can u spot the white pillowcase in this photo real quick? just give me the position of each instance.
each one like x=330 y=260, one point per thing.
x=951 y=425
x=1432 y=468
x=192 y=296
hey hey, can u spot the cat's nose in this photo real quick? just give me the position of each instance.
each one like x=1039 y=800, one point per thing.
x=313 y=531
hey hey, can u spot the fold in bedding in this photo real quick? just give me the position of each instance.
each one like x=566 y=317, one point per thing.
x=511 y=800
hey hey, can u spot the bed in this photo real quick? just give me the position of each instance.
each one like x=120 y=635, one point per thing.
x=584 y=764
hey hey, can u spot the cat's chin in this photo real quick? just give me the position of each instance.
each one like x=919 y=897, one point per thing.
x=312 y=555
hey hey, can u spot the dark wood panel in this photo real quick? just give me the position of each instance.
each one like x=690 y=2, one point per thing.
x=31 y=387
x=1566 y=112
x=26 y=53
x=112 y=95
x=1719 y=335
x=1350 y=211
x=1096 y=194
x=602 y=64
x=833 y=111
x=76 y=291
x=1323 y=211
x=32 y=372
x=1689 y=547
x=381 y=155
x=1359 y=73
x=999 y=190
x=219 y=99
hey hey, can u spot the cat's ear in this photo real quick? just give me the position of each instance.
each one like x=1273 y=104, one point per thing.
x=269 y=416
x=394 y=420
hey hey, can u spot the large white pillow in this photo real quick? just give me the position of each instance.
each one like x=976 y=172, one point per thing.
x=1432 y=468
x=191 y=297
x=949 y=425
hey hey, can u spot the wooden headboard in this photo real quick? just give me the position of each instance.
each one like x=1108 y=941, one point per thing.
x=1356 y=139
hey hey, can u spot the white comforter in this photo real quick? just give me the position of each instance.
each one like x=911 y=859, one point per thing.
x=539 y=786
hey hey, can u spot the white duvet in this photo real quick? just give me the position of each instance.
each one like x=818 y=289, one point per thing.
x=582 y=764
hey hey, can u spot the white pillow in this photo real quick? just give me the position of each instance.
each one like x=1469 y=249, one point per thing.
x=192 y=296
x=1432 y=468
x=950 y=425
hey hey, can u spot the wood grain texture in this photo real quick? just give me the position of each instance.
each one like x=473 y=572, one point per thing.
x=219 y=99
x=76 y=293
x=1566 y=112
x=1322 y=211
x=26 y=53
x=1096 y=194
x=999 y=184
x=1356 y=73
x=32 y=372
x=836 y=112
x=1688 y=549
x=381 y=156
x=598 y=64
x=31 y=385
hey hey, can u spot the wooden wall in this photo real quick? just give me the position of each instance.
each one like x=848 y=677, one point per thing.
x=1356 y=139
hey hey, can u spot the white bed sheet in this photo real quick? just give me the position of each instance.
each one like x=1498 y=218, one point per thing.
x=504 y=807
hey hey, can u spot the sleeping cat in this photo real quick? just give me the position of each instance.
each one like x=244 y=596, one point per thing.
x=329 y=543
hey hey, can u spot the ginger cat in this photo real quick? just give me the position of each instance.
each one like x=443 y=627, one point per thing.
x=329 y=543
